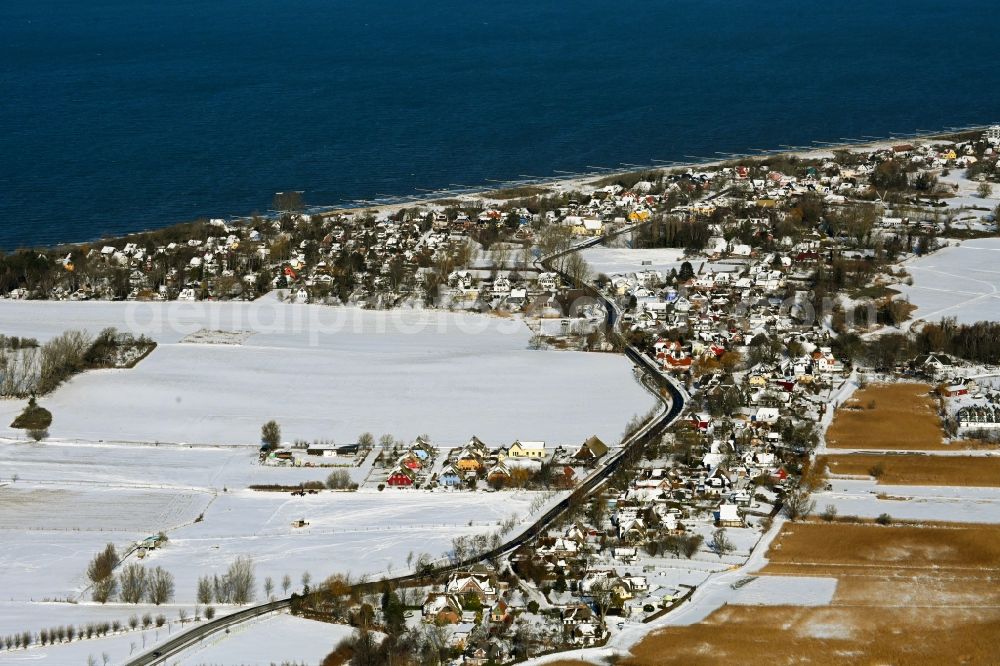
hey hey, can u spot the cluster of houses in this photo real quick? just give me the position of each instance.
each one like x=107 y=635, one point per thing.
x=387 y=256
x=479 y=607
x=476 y=465
x=412 y=467
x=510 y=290
x=317 y=454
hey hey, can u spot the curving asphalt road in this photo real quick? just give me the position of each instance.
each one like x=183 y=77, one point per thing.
x=674 y=407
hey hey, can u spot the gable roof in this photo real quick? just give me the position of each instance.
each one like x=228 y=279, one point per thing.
x=592 y=448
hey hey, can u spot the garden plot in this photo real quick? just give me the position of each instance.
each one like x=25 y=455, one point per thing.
x=961 y=281
x=327 y=373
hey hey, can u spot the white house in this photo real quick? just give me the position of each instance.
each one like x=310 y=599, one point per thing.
x=521 y=449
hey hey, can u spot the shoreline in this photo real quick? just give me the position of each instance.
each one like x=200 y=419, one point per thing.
x=568 y=183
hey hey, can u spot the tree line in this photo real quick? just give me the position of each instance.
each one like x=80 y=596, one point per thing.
x=29 y=369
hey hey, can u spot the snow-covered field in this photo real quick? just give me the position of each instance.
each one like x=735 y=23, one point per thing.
x=624 y=260
x=961 y=281
x=50 y=533
x=72 y=499
x=327 y=373
x=945 y=503
x=274 y=639
x=171 y=445
x=972 y=211
x=786 y=591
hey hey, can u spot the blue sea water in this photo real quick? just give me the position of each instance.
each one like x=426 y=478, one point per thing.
x=121 y=115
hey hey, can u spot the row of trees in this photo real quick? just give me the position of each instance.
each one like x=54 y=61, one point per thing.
x=27 y=368
x=979 y=342
x=236 y=586
x=134 y=584
x=69 y=632
x=155 y=586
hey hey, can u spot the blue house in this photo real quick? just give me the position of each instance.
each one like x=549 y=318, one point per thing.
x=450 y=477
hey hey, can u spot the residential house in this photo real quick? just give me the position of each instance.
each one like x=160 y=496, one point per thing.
x=450 y=477
x=591 y=451
x=480 y=584
x=441 y=609
x=521 y=449
x=401 y=477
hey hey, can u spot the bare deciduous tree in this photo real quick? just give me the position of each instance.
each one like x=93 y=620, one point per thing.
x=101 y=571
x=204 y=590
x=602 y=595
x=160 y=586
x=270 y=434
x=721 y=543
x=798 y=505
x=132 y=582
x=241 y=580
x=268 y=588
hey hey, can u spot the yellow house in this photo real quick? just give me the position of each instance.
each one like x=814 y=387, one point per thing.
x=638 y=215
x=469 y=463
x=758 y=381
x=950 y=155
x=588 y=227
x=521 y=449
x=766 y=203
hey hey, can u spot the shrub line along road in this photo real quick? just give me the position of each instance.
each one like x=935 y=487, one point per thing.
x=674 y=405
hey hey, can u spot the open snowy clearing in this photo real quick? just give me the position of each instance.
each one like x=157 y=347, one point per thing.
x=118 y=645
x=961 y=281
x=274 y=639
x=867 y=499
x=147 y=466
x=112 y=509
x=327 y=373
x=623 y=260
x=367 y=532
x=786 y=591
x=358 y=533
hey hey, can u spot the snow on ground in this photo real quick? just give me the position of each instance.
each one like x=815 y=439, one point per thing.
x=786 y=591
x=946 y=503
x=70 y=499
x=714 y=592
x=148 y=466
x=69 y=508
x=367 y=532
x=38 y=564
x=623 y=260
x=118 y=646
x=327 y=373
x=972 y=208
x=274 y=639
x=960 y=281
